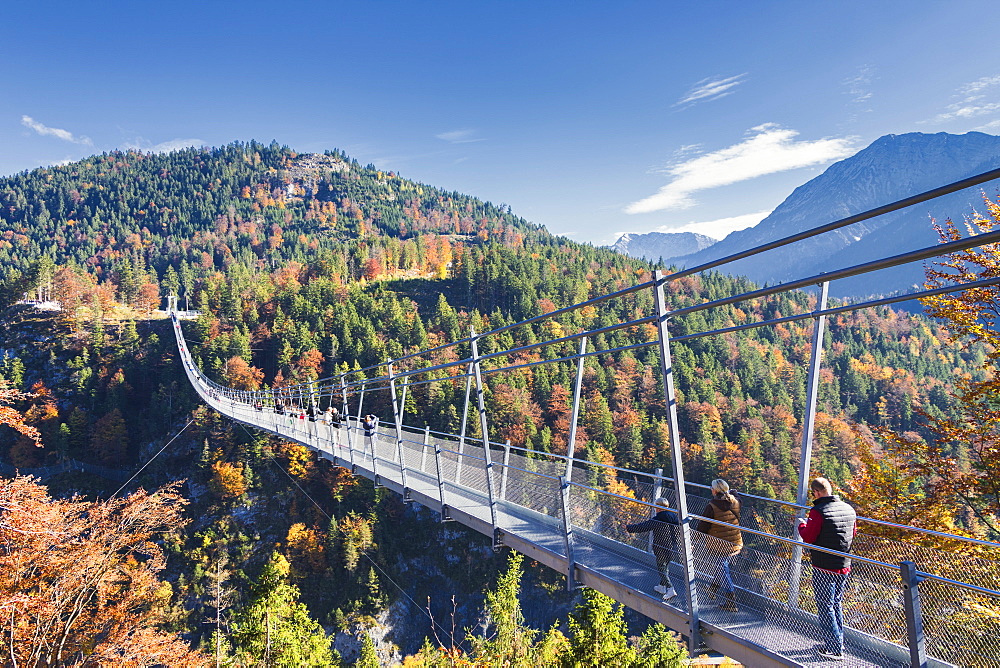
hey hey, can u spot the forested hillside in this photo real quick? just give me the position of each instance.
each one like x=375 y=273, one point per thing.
x=306 y=265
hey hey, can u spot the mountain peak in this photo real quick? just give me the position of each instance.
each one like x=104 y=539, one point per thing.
x=666 y=245
x=889 y=169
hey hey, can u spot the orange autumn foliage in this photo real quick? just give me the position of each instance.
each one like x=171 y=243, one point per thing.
x=241 y=376
x=949 y=479
x=306 y=549
x=12 y=418
x=79 y=580
x=228 y=481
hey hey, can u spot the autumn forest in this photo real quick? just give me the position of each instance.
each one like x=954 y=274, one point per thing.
x=244 y=549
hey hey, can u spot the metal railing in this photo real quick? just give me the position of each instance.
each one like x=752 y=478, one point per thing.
x=574 y=498
x=528 y=485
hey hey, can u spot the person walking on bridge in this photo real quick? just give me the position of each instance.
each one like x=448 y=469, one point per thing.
x=332 y=416
x=664 y=541
x=724 y=541
x=370 y=424
x=831 y=524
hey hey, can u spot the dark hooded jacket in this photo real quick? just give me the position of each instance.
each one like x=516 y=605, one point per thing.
x=661 y=524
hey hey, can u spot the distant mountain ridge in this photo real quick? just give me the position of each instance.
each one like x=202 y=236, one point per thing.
x=891 y=168
x=656 y=245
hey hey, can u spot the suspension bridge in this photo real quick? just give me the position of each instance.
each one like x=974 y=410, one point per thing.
x=903 y=606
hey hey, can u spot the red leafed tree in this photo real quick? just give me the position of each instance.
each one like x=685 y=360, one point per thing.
x=241 y=376
x=309 y=366
x=12 y=417
x=373 y=268
x=78 y=579
x=148 y=298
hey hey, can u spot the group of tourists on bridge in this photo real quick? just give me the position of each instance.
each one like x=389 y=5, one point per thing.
x=830 y=524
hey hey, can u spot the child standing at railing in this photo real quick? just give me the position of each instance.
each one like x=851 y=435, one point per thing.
x=662 y=525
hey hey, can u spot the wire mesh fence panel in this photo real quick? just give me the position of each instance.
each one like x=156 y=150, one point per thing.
x=960 y=625
x=534 y=492
x=449 y=458
x=758 y=577
x=474 y=475
x=412 y=455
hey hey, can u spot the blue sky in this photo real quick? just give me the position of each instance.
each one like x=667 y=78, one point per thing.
x=592 y=118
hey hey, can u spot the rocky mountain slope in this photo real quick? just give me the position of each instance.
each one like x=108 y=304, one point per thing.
x=891 y=168
x=662 y=245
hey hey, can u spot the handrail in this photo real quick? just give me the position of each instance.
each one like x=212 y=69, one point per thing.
x=856 y=270
x=843 y=222
x=802 y=544
x=791 y=504
x=840 y=309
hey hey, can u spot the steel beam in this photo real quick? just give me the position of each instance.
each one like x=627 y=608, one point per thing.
x=670 y=398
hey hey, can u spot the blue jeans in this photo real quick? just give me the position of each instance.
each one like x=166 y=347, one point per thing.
x=663 y=566
x=829 y=590
x=723 y=578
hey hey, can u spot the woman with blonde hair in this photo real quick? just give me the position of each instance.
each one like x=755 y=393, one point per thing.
x=725 y=540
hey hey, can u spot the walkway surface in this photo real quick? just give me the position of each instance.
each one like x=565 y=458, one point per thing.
x=762 y=633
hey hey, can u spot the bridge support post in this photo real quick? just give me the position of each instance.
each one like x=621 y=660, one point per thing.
x=312 y=415
x=575 y=417
x=465 y=423
x=914 y=617
x=346 y=421
x=503 y=473
x=484 y=426
x=397 y=408
x=808 y=428
x=657 y=493
x=440 y=477
x=369 y=439
x=670 y=399
x=361 y=400
x=564 y=504
x=423 y=450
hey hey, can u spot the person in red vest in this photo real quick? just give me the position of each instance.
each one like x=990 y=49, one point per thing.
x=831 y=524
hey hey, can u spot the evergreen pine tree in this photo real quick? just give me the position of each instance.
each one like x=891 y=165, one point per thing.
x=275 y=629
x=598 y=634
x=368 y=658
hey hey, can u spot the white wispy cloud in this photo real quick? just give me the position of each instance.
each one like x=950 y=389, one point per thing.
x=976 y=98
x=463 y=136
x=768 y=150
x=992 y=126
x=718 y=229
x=687 y=149
x=44 y=130
x=967 y=110
x=140 y=144
x=176 y=145
x=710 y=89
x=859 y=87
x=980 y=84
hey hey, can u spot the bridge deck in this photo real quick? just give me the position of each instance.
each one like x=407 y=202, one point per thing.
x=762 y=633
